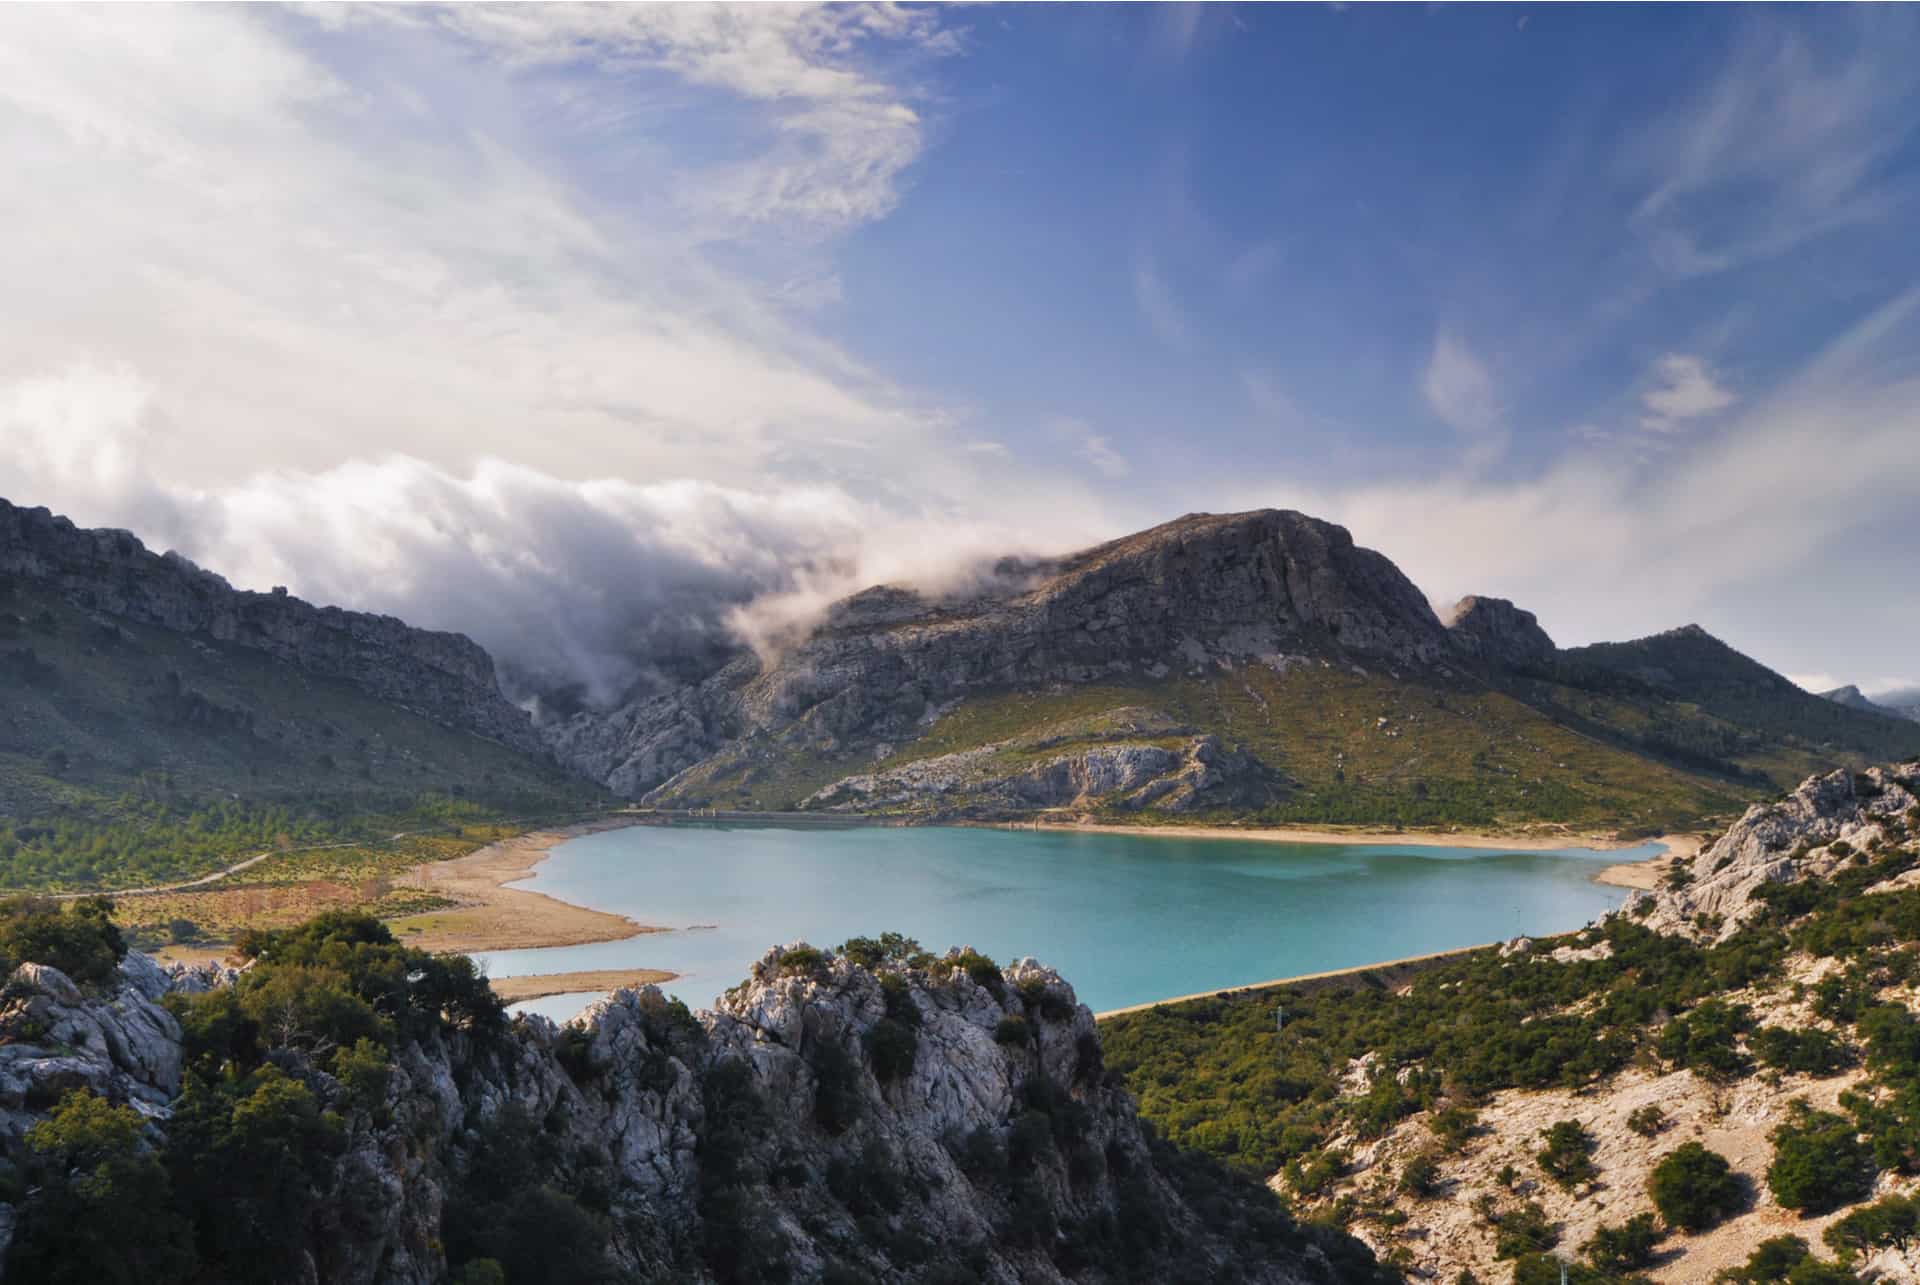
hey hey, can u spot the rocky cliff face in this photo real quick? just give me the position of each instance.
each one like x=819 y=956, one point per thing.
x=1811 y=833
x=1499 y=633
x=830 y=1121
x=443 y=676
x=1183 y=597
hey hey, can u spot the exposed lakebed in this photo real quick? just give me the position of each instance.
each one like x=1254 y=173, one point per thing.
x=1125 y=918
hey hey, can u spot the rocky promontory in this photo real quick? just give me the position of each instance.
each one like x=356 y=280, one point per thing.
x=879 y=1115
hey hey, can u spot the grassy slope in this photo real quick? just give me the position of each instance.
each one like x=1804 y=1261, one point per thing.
x=131 y=755
x=1447 y=754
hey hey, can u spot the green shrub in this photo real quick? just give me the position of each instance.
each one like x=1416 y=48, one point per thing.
x=1819 y=1162
x=90 y=1171
x=892 y=1046
x=1647 y=1121
x=80 y=939
x=1454 y=1125
x=1616 y=1251
x=1705 y=1040
x=1420 y=1176
x=1811 y=1051
x=1772 y=1260
x=836 y=1087
x=801 y=961
x=1012 y=1031
x=1694 y=1188
x=1568 y=1156
x=1523 y=1231
x=1890 y=1222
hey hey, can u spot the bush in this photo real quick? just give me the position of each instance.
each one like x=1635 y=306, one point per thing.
x=1568 y=1156
x=1616 y=1251
x=1454 y=1125
x=1523 y=1231
x=1647 y=1121
x=893 y=1046
x=801 y=961
x=1420 y=1176
x=1704 y=1040
x=90 y=1171
x=836 y=1087
x=1811 y=1051
x=1819 y=1162
x=1782 y=1258
x=1694 y=1188
x=1012 y=1031
x=79 y=940
x=1892 y=1222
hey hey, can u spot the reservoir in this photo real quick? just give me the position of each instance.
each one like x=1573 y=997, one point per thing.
x=1125 y=918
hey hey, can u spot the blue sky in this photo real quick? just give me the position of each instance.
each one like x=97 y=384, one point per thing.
x=551 y=323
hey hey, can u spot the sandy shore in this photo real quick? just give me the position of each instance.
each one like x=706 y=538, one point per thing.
x=1543 y=839
x=487 y=915
x=1646 y=875
x=512 y=990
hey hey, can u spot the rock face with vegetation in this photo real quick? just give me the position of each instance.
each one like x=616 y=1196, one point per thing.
x=1186 y=596
x=447 y=677
x=347 y=1110
x=1320 y=670
x=1829 y=822
x=1719 y=1083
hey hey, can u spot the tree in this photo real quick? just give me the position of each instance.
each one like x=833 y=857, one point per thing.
x=1568 y=1156
x=1616 y=1251
x=91 y=1170
x=1894 y=1221
x=1819 y=1162
x=1694 y=1188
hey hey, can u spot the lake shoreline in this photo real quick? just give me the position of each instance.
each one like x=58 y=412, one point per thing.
x=487 y=915
x=1491 y=840
x=516 y=990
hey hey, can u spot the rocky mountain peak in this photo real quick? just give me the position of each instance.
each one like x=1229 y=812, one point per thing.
x=1497 y=632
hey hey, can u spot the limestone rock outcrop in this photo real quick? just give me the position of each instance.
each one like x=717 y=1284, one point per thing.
x=785 y=1128
x=446 y=677
x=1127 y=776
x=1810 y=833
x=1495 y=631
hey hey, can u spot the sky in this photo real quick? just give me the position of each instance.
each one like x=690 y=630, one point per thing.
x=610 y=334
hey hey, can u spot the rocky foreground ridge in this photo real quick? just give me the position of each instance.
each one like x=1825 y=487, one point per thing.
x=445 y=677
x=1811 y=833
x=832 y=1120
x=1205 y=592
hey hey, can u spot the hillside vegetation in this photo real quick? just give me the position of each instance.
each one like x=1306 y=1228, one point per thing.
x=133 y=755
x=1428 y=1115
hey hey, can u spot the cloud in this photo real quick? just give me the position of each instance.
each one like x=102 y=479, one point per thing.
x=1157 y=303
x=607 y=585
x=1771 y=519
x=1787 y=140
x=383 y=313
x=1094 y=448
x=1458 y=387
x=1686 y=390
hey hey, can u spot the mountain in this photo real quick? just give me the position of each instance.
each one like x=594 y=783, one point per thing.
x=155 y=721
x=871 y=1114
x=1254 y=665
x=1898 y=704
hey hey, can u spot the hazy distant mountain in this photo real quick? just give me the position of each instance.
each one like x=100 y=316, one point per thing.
x=1904 y=703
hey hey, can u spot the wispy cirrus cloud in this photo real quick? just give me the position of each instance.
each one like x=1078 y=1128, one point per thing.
x=1684 y=389
x=1457 y=385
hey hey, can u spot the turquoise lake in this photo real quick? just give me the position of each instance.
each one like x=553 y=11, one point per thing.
x=1126 y=919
